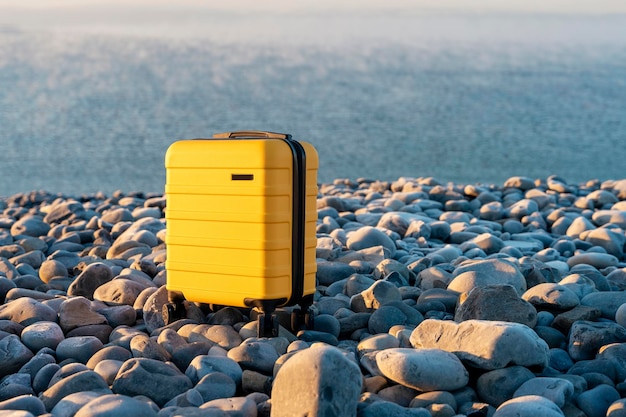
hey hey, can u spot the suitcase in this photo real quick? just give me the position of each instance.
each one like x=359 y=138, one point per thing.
x=241 y=217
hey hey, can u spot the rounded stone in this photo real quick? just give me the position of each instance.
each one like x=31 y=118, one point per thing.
x=13 y=355
x=224 y=336
x=380 y=293
x=216 y=385
x=92 y=277
x=484 y=344
x=119 y=292
x=203 y=365
x=557 y=390
x=498 y=386
x=30 y=226
x=154 y=379
x=77 y=312
x=143 y=346
x=308 y=384
x=102 y=406
x=26 y=311
x=70 y=405
x=50 y=269
x=384 y=318
x=596 y=401
x=617 y=409
x=153 y=307
x=26 y=403
x=423 y=369
x=367 y=237
x=111 y=352
x=481 y=273
x=528 y=406
x=80 y=381
x=510 y=307
x=331 y=272
x=78 y=348
x=551 y=295
x=240 y=406
x=108 y=369
x=42 y=334
x=256 y=356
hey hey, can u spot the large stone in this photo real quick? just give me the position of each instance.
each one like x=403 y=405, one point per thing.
x=102 y=407
x=390 y=409
x=367 y=237
x=587 y=337
x=611 y=241
x=119 y=292
x=42 y=334
x=80 y=381
x=596 y=401
x=27 y=403
x=27 y=311
x=147 y=223
x=203 y=365
x=222 y=335
x=595 y=259
x=76 y=312
x=606 y=301
x=257 y=356
x=484 y=344
x=551 y=295
x=239 y=406
x=319 y=381
x=70 y=405
x=499 y=385
x=423 y=369
x=558 y=390
x=79 y=348
x=380 y=293
x=13 y=355
x=92 y=277
x=528 y=406
x=154 y=379
x=153 y=307
x=30 y=226
x=481 y=273
x=510 y=307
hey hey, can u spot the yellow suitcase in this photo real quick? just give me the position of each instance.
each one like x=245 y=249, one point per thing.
x=241 y=216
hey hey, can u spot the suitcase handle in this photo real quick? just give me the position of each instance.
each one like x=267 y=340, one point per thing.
x=252 y=134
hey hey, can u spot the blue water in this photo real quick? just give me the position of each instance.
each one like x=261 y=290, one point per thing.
x=463 y=98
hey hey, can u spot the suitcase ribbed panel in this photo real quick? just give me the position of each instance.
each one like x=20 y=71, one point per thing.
x=229 y=220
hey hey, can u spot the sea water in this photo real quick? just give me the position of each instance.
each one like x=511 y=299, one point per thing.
x=462 y=98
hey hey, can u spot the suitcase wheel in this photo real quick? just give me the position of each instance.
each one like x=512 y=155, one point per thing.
x=172 y=312
x=267 y=325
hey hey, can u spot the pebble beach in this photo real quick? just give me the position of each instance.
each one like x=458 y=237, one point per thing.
x=433 y=299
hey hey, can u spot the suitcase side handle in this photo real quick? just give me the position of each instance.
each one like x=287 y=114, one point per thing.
x=251 y=134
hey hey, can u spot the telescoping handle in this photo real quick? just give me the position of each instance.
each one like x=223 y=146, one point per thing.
x=241 y=134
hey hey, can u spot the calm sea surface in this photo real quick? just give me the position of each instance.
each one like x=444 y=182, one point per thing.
x=461 y=98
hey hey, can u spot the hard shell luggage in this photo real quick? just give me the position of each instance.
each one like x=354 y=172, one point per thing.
x=241 y=216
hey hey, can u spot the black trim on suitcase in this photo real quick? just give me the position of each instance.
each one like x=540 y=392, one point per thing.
x=299 y=221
